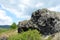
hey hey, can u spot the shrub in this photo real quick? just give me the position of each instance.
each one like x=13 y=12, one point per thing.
x=13 y=26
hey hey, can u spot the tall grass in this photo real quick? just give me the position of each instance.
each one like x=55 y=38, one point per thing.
x=29 y=35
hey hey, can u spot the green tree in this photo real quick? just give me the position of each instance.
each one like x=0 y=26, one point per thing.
x=13 y=26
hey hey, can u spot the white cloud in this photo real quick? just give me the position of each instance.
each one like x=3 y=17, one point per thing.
x=55 y=8
x=26 y=2
x=39 y=4
x=22 y=7
x=19 y=7
x=11 y=1
x=19 y=14
x=4 y=19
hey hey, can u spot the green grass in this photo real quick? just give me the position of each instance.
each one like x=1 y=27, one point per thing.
x=3 y=30
x=29 y=35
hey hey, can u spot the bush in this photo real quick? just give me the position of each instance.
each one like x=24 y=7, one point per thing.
x=13 y=26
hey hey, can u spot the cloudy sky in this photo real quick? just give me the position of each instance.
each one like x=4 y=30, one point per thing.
x=19 y=10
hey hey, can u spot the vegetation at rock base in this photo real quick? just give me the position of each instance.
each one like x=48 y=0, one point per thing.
x=28 y=35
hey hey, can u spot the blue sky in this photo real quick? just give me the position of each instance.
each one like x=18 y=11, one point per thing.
x=19 y=10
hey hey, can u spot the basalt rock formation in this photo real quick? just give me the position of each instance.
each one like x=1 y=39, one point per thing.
x=45 y=21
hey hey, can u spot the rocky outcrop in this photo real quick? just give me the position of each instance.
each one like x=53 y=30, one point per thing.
x=45 y=21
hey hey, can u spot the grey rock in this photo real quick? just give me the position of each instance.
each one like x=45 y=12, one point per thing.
x=44 y=20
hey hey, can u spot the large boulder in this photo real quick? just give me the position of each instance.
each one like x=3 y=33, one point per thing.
x=45 y=21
